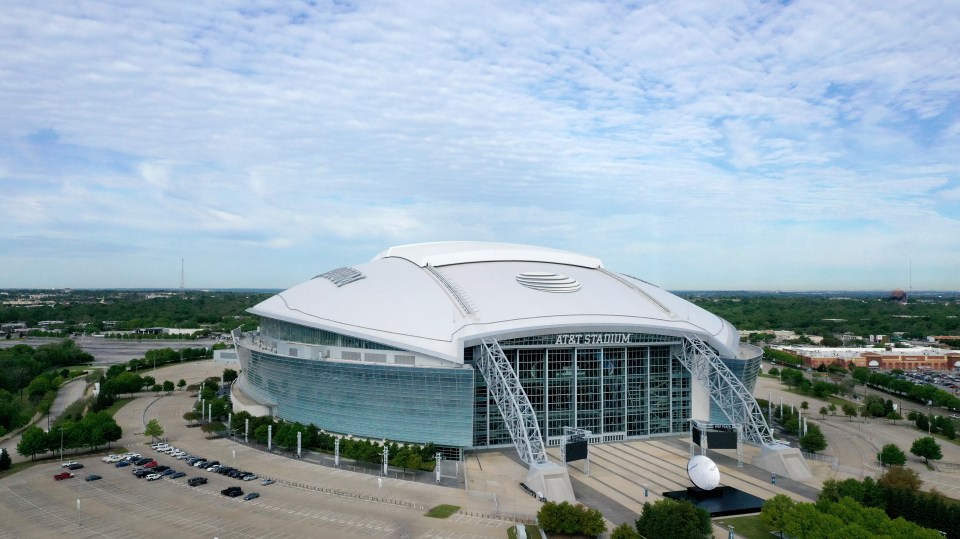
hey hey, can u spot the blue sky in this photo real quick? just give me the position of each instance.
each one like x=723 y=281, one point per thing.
x=698 y=145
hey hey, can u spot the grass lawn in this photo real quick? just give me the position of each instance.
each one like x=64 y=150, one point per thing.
x=749 y=527
x=119 y=403
x=443 y=511
x=533 y=532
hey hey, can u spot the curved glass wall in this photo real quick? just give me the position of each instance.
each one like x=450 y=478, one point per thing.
x=746 y=370
x=285 y=331
x=404 y=404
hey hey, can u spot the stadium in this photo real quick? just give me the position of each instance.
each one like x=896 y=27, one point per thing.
x=471 y=345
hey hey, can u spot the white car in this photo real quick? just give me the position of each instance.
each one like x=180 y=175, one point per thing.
x=68 y=464
x=250 y=477
x=111 y=458
x=153 y=477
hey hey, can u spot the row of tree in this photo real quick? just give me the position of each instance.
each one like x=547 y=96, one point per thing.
x=570 y=519
x=898 y=494
x=819 y=315
x=29 y=378
x=921 y=393
x=94 y=430
x=83 y=311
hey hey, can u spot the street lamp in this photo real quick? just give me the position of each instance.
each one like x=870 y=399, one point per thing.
x=61 y=445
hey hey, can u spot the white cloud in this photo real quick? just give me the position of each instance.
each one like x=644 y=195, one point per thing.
x=689 y=131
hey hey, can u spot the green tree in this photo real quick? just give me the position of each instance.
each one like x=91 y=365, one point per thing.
x=774 y=512
x=229 y=375
x=192 y=416
x=900 y=478
x=260 y=434
x=824 y=412
x=891 y=455
x=804 y=521
x=673 y=519
x=215 y=428
x=926 y=447
x=181 y=384
x=168 y=385
x=569 y=519
x=413 y=461
x=5 y=461
x=849 y=410
x=624 y=531
x=154 y=429
x=813 y=441
x=32 y=442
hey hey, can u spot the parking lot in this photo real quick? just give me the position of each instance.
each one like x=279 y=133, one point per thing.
x=307 y=500
x=120 y=505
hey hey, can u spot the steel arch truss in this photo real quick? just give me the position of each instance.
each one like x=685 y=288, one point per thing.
x=725 y=389
x=511 y=399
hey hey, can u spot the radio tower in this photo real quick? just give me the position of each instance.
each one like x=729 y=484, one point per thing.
x=181 y=277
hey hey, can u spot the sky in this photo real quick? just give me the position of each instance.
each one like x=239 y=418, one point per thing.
x=737 y=145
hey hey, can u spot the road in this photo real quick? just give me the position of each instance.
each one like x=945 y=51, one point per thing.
x=110 y=351
x=68 y=393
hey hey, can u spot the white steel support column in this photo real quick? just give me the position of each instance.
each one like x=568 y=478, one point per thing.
x=725 y=389
x=518 y=414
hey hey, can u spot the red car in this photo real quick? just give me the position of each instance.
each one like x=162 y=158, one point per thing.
x=151 y=464
x=63 y=475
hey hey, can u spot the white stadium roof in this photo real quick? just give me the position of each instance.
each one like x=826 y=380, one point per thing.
x=434 y=298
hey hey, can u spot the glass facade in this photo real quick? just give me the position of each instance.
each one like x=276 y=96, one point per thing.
x=747 y=371
x=285 y=331
x=404 y=404
x=619 y=386
x=614 y=391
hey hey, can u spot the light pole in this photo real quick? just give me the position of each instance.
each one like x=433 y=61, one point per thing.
x=61 y=452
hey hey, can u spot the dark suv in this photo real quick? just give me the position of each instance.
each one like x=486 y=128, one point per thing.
x=194 y=481
x=232 y=492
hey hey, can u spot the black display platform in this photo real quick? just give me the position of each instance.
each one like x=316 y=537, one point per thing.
x=719 y=502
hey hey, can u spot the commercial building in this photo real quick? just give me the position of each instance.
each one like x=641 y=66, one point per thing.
x=472 y=345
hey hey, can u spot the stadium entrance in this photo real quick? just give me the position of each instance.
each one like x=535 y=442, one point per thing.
x=616 y=385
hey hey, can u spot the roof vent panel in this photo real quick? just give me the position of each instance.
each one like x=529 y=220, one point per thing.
x=548 y=282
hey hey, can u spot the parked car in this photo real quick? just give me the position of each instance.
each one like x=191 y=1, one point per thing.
x=111 y=458
x=251 y=496
x=169 y=472
x=153 y=477
x=140 y=474
x=151 y=464
x=74 y=466
x=267 y=482
x=161 y=468
x=63 y=475
x=122 y=463
x=232 y=492
x=68 y=464
x=199 y=464
x=249 y=477
x=194 y=481
x=93 y=477
x=177 y=475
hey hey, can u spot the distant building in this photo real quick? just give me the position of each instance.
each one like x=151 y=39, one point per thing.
x=907 y=359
